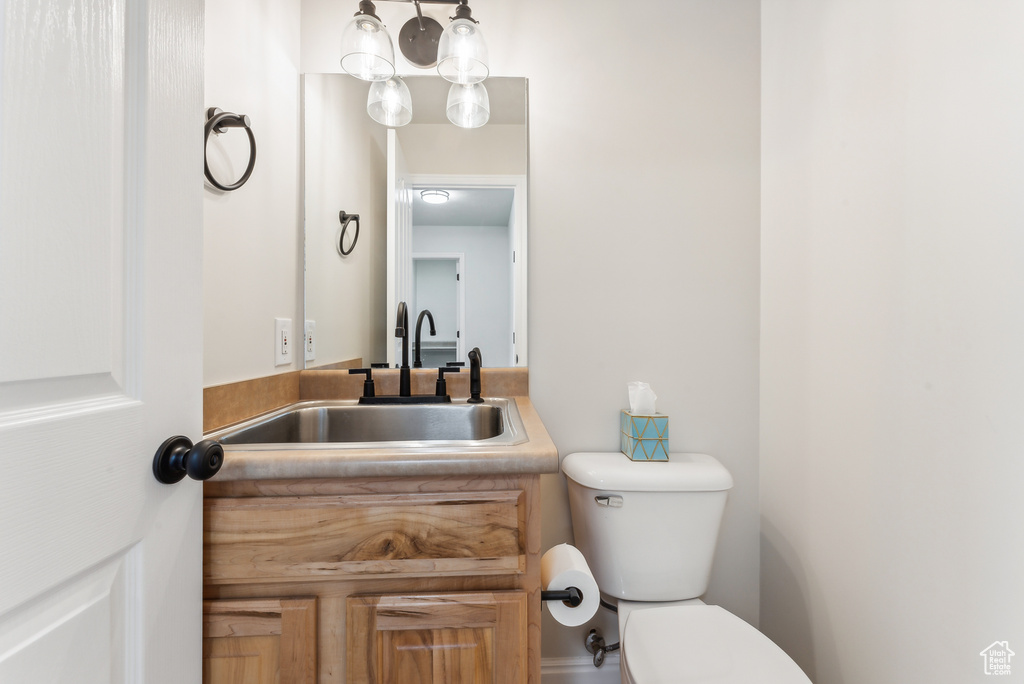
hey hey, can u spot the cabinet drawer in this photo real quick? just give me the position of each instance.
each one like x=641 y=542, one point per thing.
x=328 y=537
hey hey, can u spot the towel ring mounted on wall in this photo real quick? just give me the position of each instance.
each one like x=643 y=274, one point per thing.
x=218 y=121
x=345 y=220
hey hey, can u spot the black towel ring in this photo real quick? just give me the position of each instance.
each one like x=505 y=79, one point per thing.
x=218 y=122
x=345 y=220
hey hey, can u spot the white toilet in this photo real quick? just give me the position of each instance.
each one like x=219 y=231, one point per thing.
x=648 y=532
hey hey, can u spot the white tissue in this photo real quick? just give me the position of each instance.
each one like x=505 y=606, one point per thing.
x=563 y=566
x=641 y=399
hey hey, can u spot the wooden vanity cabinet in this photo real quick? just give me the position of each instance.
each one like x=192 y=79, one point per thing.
x=458 y=638
x=260 y=641
x=401 y=580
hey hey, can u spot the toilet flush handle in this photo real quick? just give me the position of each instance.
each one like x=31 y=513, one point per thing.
x=610 y=500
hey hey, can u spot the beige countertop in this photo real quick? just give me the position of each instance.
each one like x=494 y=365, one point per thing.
x=536 y=455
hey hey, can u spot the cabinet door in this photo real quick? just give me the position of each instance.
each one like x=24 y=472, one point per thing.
x=259 y=641
x=470 y=638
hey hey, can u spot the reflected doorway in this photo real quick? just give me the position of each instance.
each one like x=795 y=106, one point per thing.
x=482 y=216
x=438 y=288
x=477 y=224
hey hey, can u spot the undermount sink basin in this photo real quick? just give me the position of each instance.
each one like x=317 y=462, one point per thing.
x=344 y=424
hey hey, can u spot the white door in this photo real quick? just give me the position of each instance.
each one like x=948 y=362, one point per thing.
x=399 y=253
x=100 y=339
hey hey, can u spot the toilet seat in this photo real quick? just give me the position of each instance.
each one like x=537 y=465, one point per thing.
x=701 y=643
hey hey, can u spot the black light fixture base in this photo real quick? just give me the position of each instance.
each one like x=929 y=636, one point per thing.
x=418 y=41
x=367 y=7
x=464 y=12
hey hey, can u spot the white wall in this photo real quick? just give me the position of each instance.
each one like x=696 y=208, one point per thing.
x=892 y=373
x=498 y=150
x=252 y=270
x=345 y=169
x=643 y=197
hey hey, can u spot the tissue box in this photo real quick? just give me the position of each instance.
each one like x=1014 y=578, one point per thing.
x=644 y=438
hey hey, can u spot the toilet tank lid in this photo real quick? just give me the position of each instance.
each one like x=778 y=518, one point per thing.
x=616 y=472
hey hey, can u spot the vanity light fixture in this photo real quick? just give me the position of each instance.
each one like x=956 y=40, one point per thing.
x=434 y=196
x=459 y=52
x=462 y=52
x=419 y=38
x=366 y=50
x=468 y=105
x=389 y=102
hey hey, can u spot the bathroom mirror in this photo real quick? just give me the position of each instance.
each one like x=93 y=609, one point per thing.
x=462 y=258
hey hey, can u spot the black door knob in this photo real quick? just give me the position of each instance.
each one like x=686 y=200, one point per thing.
x=178 y=457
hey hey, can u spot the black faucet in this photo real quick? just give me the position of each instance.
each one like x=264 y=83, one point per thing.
x=402 y=330
x=368 y=390
x=441 y=388
x=474 y=376
x=418 y=363
x=405 y=395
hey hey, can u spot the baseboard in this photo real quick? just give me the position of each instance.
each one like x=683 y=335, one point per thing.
x=579 y=670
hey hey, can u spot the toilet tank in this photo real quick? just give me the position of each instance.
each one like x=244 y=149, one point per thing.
x=647 y=529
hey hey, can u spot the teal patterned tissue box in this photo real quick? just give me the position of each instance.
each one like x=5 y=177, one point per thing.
x=644 y=438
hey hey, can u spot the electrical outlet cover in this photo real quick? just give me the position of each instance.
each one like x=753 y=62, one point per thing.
x=282 y=341
x=310 y=340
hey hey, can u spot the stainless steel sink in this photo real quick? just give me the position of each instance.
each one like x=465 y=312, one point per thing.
x=344 y=424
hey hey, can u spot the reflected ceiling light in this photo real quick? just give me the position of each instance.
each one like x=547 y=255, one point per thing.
x=434 y=196
x=468 y=105
x=390 y=102
x=366 y=50
x=462 y=52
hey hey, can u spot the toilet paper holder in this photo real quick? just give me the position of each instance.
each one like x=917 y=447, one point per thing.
x=570 y=596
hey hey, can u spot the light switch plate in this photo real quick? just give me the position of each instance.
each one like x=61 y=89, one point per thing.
x=282 y=341
x=310 y=340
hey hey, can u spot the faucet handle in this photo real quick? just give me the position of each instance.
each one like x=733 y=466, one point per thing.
x=368 y=390
x=442 y=387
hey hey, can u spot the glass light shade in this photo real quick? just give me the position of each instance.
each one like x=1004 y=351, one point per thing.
x=468 y=105
x=389 y=102
x=366 y=49
x=462 y=53
x=434 y=196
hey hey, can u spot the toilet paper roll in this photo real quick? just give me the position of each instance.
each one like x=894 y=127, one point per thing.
x=563 y=566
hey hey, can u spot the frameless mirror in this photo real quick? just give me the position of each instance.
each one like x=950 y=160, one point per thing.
x=442 y=226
